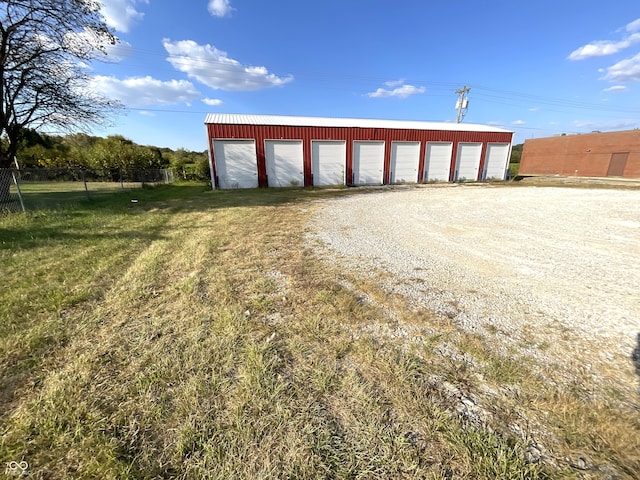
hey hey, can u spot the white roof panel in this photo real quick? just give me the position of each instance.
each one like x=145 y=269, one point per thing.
x=242 y=119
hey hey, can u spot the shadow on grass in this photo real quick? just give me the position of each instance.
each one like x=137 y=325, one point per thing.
x=200 y=198
x=185 y=196
x=70 y=216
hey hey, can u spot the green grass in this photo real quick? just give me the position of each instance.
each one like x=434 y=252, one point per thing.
x=194 y=334
x=57 y=194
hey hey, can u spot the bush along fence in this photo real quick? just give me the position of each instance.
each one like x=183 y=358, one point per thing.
x=34 y=188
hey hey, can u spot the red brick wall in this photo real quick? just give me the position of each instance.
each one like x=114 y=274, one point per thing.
x=583 y=155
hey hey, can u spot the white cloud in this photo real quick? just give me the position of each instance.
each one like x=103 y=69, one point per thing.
x=518 y=122
x=495 y=123
x=401 y=92
x=212 y=102
x=627 y=70
x=121 y=14
x=86 y=43
x=145 y=113
x=91 y=44
x=214 y=68
x=118 y=51
x=606 y=126
x=394 y=83
x=220 y=8
x=534 y=109
x=602 y=48
x=615 y=88
x=145 y=91
x=633 y=26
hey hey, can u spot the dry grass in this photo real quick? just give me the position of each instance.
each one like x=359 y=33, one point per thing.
x=200 y=337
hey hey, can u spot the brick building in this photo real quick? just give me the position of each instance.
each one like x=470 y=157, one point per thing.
x=611 y=154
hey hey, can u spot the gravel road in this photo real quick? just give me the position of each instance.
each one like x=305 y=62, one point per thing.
x=538 y=266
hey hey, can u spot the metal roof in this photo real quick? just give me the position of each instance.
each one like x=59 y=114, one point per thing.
x=281 y=120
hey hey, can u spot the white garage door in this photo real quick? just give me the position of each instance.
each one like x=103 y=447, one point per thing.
x=468 y=161
x=437 y=164
x=495 y=164
x=368 y=163
x=405 y=157
x=328 y=159
x=236 y=163
x=285 y=163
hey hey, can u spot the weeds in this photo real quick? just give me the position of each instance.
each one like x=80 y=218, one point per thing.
x=196 y=336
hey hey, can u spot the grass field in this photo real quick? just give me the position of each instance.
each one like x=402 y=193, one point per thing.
x=195 y=334
x=56 y=194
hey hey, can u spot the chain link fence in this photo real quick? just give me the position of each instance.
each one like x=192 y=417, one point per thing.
x=10 y=199
x=35 y=188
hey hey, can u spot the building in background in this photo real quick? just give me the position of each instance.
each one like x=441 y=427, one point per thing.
x=611 y=154
x=249 y=151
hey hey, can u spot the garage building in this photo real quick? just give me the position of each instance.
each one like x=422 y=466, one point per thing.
x=249 y=151
x=610 y=154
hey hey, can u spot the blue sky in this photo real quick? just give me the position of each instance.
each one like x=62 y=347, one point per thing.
x=538 y=68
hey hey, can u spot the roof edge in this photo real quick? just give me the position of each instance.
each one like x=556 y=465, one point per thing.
x=301 y=121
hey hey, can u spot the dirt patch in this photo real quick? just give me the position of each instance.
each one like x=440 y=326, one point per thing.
x=550 y=272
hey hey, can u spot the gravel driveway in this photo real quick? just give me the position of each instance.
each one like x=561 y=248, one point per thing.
x=555 y=271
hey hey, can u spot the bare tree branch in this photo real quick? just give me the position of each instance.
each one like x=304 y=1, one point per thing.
x=43 y=81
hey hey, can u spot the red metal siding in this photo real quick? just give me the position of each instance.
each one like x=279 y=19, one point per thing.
x=273 y=132
x=483 y=159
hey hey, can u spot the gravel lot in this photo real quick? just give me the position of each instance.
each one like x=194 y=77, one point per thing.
x=554 y=271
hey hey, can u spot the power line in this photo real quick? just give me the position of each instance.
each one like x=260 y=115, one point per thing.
x=321 y=77
x=463 y=103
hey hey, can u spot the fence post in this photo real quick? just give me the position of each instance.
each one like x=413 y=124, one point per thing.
x=84 y=180
x=15 y=181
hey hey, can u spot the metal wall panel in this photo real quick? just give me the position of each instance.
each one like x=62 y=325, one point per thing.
x=438 y=161
x=368 y=162
x=236 y=162
x=328 y=158
x=496 y=161
x=284 y=161
x=468 y=161
x=348 y=134
x=405 y=160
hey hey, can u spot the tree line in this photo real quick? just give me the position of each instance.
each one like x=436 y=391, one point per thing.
x=516 y=153
x=79 y=150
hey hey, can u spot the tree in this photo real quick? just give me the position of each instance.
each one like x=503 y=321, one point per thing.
x=516 y=153
x=118 y=152
x=40 y=150
x=44 y=49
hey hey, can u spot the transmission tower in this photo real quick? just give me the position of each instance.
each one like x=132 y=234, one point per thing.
x=463 y=103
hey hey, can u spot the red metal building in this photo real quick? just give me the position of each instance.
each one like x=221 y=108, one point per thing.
x=249 y=151
x=610 y=154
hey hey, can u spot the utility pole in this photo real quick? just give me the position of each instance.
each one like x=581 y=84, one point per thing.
x=463 y=103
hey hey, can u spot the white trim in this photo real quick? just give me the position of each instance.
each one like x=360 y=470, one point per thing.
x=281 y=120
x=209 y=151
